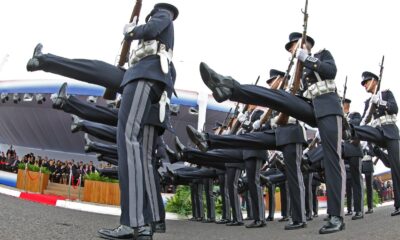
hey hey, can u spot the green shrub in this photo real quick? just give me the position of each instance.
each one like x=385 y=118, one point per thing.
x=97 y=177
x=21 y=166
x=34 y=168
x=375 y=198
x=181 y=202
x=218 y=205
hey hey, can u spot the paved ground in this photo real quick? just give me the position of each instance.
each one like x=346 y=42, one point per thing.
x=21 y=219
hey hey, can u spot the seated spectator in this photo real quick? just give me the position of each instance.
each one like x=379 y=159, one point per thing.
x=91 y=168
x=13 y=166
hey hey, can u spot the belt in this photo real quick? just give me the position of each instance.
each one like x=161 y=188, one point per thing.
x=384 y=120
x=319 y=88
x=147 y=48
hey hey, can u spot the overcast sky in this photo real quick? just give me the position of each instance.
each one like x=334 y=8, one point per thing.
x=243 y=39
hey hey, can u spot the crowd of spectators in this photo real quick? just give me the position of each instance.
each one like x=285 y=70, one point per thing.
x=9 y=161
x=384 y=189
x=60 y=171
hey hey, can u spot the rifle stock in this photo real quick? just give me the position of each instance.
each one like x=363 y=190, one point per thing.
x=224 y=124
x=235 y=124
x=267 y=115
x=111 y=94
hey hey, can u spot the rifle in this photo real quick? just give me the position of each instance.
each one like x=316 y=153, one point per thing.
x=224 y=124
x=311 y=145
x=111 y=94
x=283 y=118
x=372 y=107
x=236 y=125
x=344 y=90
x=233 y=117
x=267 y=115
x=345 y=123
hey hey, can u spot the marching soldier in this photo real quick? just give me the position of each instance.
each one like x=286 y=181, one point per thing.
x=289 y=139
x=383 y=130
x=229 y=159
x=352 y=154
x=323 y=109
x=150 y=79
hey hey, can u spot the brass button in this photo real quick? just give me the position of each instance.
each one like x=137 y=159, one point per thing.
x=315 y=65
x=307 y=78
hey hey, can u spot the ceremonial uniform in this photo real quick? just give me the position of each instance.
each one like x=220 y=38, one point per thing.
x=352 y=154
x=229 y=159
x=384 y=132
x=289 y=139
x=142 y=85
x=315 y=184
x=321 y=108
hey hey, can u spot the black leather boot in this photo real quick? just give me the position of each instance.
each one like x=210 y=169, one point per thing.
x=143 y=233
x=172 y=156
x=256 y=224
x=349 y=213
x=76 y=124
x=121 y=232
x=234 y=223
x=198 y=138
x=34 y=63
x=295 y=225
x=222 y=221
x=221 y=86
x=369 y=211
x=358 y=215
x=335 y=224
x=396 y=212
x=159 y=227
x=61 y=98
x=284 y=219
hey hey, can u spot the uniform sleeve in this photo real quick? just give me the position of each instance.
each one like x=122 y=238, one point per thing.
x=323 y=63
x=157 y=23
x=391 y=105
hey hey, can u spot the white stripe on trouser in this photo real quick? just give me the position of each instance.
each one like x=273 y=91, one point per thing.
x=148 y=140
x=135 y=165
x=341 y=164
x=238 y=209
x=227 y=200
x=200 y=197
x=260 y=199
x=362 y=186
x=300 y=182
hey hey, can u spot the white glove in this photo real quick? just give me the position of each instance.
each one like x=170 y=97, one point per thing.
x=273 y=122
x=242 y=117
x=302 y=54
x=130 y=26
x=256 y=124
x=240 y=108
x=375 y=99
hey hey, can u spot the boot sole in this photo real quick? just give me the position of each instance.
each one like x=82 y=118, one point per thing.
x=194 y=139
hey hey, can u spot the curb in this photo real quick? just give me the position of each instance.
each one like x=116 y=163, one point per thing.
x=58 y=201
